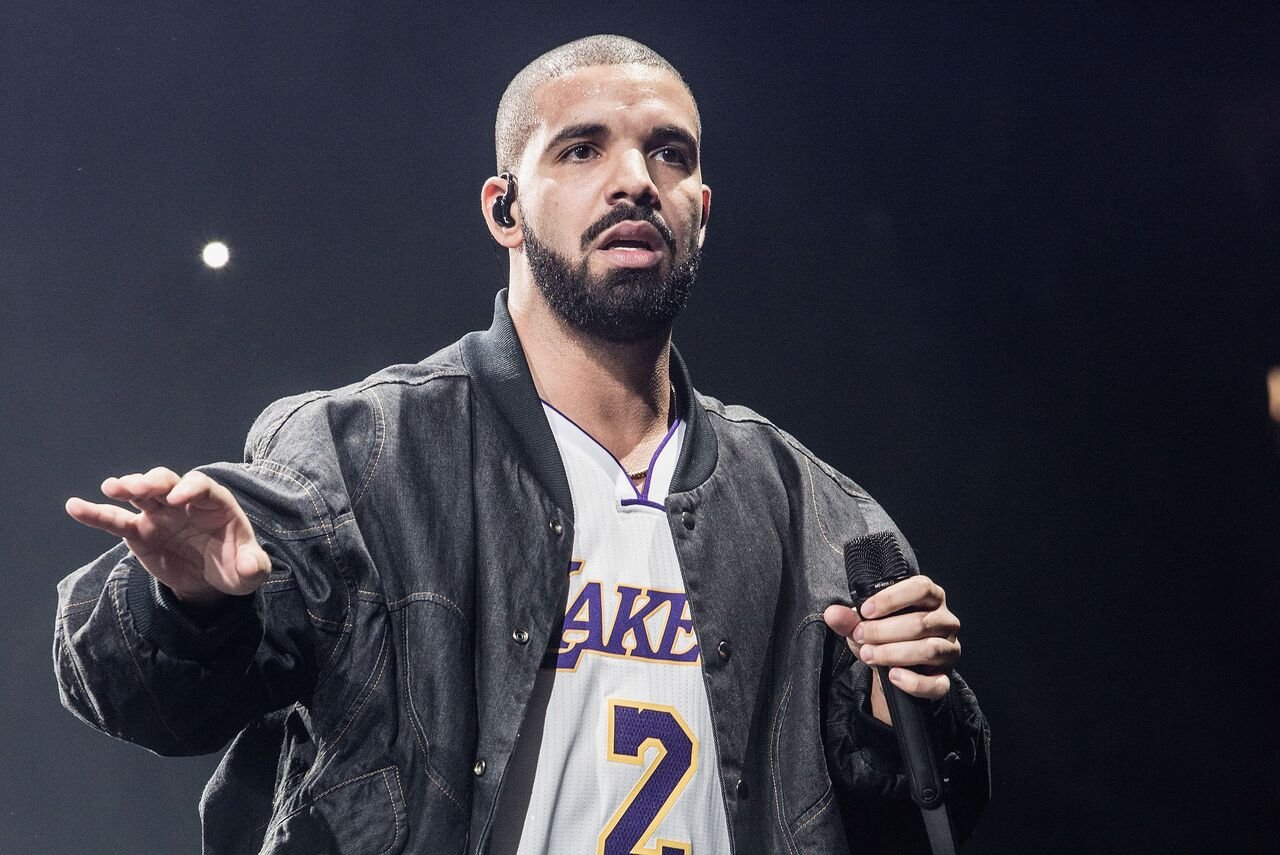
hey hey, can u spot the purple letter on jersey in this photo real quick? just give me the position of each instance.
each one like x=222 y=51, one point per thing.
x=583 y=629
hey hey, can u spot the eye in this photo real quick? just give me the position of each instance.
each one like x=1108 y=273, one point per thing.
x=581 y=151
x=673 y=155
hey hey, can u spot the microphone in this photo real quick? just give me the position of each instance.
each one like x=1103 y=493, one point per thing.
x=873 y=563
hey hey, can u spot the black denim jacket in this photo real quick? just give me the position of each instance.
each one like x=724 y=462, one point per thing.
x=419 y=525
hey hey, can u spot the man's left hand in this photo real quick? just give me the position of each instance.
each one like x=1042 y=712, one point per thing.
x=907 y=628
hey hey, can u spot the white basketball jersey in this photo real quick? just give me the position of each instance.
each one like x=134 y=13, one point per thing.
x=616 y=755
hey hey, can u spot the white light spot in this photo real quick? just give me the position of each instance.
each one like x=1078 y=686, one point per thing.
x=215 y=254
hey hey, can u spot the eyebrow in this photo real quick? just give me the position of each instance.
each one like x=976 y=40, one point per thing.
x=588 y=130
x=676 y=134
x=598 y=131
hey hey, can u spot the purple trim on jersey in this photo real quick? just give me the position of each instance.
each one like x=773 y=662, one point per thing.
x=642 y=498
x=648 y=478
x=646 y=503
x=588 y=435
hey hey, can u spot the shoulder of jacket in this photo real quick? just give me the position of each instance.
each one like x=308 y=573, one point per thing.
x=326 y=404
x=761 y=429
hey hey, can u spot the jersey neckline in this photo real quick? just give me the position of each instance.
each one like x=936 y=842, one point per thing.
x=660 y=472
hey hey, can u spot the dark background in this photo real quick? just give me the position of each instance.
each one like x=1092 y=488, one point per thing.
x=1014 y=270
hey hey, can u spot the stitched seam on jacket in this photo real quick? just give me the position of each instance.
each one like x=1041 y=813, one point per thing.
x=269 y=434
x=813 y=495
x=395 y=811
x=366 y=690
x=419 y=732
x=796 y=447
x=779 y=806
x=403 y=801
x=301 y=481
x=275 y=826
x=63 y=637
x=379 y=428
x=266 y=526
x=137 y=666
x=312 y=494
x=819 y=808
x=840 y=654
x=415 y=597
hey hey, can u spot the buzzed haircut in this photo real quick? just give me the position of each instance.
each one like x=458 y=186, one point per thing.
x=517 y=116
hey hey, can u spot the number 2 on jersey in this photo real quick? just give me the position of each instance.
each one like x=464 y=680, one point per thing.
x=635 y=727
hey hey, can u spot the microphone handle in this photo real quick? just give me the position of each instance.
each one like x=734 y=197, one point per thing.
x=914 y=732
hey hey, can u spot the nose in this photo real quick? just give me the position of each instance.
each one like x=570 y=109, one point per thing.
x=632 y=182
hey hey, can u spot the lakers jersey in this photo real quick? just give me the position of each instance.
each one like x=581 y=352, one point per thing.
x=616 y=754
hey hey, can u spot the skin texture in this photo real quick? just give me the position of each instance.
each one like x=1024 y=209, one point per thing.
x=642 y=151
x=618 y=391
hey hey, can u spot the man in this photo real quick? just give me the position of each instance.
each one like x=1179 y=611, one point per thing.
x=375 y=604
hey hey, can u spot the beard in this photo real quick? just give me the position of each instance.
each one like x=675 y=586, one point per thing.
x=623 y=305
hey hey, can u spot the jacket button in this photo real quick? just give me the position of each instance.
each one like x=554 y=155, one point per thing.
x=725 y=652
x=743 y=791
x=557 y=528
x=479 y=768
x=687 y=519
x=521 y=636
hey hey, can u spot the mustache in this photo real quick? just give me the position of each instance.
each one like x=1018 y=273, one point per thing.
x=621 y=213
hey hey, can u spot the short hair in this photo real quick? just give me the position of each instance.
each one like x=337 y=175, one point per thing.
x=517 y=116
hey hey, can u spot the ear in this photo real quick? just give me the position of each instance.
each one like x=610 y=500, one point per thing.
x=704 y=214
x=508 y=236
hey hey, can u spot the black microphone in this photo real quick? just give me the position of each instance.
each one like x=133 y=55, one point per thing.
x=873 y=563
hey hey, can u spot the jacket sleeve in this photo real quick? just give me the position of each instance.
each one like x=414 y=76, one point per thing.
x=866 y=771
x=132 y=662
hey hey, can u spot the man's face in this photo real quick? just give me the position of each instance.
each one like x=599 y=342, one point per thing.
x=613 y=201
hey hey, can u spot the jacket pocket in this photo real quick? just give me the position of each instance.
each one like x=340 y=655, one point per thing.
x=804 y=799
x=365 y=815
x=439 y=684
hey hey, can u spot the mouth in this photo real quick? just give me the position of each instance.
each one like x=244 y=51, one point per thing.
x=632 y=243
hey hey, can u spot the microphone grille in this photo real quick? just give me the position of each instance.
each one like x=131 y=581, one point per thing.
x=873 y=562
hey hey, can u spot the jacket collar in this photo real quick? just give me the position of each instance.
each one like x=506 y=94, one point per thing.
x=497 y=365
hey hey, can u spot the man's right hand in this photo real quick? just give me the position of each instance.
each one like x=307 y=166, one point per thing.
x=189 y=532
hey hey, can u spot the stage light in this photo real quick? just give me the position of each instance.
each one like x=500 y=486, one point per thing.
x=1273 y=393
x=215 y=254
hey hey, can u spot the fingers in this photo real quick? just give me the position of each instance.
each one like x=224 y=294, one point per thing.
x=160 y=487
x=244 y=573
x=921 y=639
x=931 y=686
x=252 y=564
x=916 y=592
x=199 y=490
x=916 y=639
x=842 y=620
x=151 y=492
x=930 y=654
x=156 y=482
x=112 y=519
x=145 y=491
x=906 y=626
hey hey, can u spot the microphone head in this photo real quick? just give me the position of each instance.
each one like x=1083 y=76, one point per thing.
x=872 y=563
